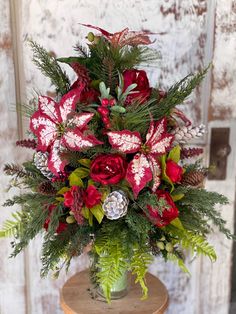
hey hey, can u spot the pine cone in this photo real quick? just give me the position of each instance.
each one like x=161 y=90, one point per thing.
x=190 y=152
x=115 y=205
x=41 y=163
x=185 y=134
x=46 y=188
x=194 y=178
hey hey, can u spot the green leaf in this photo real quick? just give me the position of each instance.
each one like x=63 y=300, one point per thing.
x=177 y=197
x=105 y=92
x=85 y=162
x=172 y=257
x=164 y=175
x=63 y=190
x=88 y=215
x=177 y=223
x=174 y=154
x=70 y=60
x=98 y=213
x=118 y=109
x=81 y=172
x=74 y=179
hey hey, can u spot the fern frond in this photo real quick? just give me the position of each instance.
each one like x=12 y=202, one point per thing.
x=194 y=242
x=140 y=261
x=50 y=68
x=12 y=228
x=173 y=258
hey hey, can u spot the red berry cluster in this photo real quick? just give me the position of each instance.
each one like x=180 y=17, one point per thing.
x=104 y=111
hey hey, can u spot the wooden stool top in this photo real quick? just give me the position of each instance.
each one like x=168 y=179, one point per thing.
x=75 y=298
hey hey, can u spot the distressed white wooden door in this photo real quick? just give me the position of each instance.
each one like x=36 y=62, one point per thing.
x=194 y=32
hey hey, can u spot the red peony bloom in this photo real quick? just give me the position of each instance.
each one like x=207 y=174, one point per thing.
x=142 y=91
x=174 y=171
x=62 y=225
x=92 y=196
x=168 y=214
x=108 y=169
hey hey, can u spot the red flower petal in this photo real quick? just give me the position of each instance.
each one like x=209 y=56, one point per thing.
x=156 y=131
x=68 y=102
x=46 y=136
x=75 y=140
x=50 y=108
x=105 y=33
x=138 y=173
x=125 y=141
x=39 y=119
x=55 y=163
x=158 y=140
x=156 y=172
x=80 y=120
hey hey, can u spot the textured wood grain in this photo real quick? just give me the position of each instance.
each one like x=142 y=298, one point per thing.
x=12 y=284
x=75 y=298
x=223 y=98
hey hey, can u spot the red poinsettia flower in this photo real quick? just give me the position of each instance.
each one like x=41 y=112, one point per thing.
x=168 y=214
x=58 y=126
x=142 y=91
x=92 y=196
x=144 y=167
x=125 y=37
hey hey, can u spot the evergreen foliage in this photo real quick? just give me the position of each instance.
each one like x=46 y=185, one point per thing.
x=49 y=66
x=70 y=205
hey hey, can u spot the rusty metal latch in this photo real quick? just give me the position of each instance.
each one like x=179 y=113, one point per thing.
x=219 y=151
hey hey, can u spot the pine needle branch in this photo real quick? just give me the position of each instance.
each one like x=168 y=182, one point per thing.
x=50 y=68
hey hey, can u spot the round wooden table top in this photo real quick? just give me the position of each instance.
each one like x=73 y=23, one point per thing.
x=76 y=298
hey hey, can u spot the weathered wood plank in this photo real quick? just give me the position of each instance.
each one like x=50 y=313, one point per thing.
x=12 y=284
x=223 y=97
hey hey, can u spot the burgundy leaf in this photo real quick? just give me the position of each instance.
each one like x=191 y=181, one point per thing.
x=75 y=140
x=46 y=136
x=156 y=172
x=125 y=141
x=138 y=173
x=50 y=108
x=68 y=102
x=55 y=163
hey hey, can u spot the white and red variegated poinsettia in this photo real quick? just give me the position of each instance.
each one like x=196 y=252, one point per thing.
x=145 y=165
x=58 y=127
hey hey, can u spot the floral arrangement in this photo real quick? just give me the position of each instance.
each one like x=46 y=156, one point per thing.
x=112 y=168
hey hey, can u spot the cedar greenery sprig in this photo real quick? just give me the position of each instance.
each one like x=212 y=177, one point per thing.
x=49 y=66
x=17 y=171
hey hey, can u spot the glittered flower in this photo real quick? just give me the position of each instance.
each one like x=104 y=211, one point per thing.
x=142 y=91
x=74 y=199
x=164 y=215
